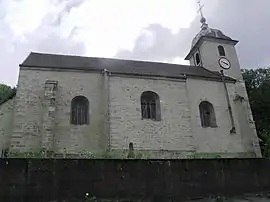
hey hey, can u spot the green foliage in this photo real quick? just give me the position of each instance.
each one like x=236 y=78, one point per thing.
x=258 y=88
x=41 y=154
x=6 y=93
x=113 y=154
x=204 y=156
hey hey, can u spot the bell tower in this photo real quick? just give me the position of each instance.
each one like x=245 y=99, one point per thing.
x=214 y=50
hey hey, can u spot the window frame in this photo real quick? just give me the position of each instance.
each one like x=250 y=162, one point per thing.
x=150 y=106
x=207 y=115
x=221 y=51
x=197 y=57
x=79 y=105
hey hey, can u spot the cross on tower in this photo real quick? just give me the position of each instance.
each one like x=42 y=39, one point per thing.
x=200 y=8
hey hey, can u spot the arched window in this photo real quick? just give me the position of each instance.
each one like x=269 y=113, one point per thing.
x=221 y=51
x=79 y=111
x=197 y=59
x=150 y=106
x=207 y=114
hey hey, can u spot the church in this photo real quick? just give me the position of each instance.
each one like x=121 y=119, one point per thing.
x=71 y=105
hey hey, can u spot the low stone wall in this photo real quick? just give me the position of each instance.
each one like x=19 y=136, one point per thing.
x=132 y=180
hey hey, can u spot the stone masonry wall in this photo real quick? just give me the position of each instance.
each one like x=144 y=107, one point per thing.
x=6 y=118
x=48 y=115
x=242 y=112
x=210 y=57
x=219 y=139
x=68 y=138
x=178 y=135
x=172 y=134
x=245 y=118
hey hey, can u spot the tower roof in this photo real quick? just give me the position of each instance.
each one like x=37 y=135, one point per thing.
x=214 y=33
x=207 y=32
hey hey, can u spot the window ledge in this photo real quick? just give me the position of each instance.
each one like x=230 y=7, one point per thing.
x=209 y=126
x=155 y=120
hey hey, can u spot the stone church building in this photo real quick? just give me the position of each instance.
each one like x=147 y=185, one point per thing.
x=71 y=104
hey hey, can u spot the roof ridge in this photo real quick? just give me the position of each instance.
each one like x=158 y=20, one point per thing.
x=108 y=58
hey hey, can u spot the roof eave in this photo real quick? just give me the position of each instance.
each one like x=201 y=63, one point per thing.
x=199 y=42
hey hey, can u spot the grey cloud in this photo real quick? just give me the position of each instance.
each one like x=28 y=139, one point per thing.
x=45 y=38
x=164 y=45
x=156 y=43
x=3 y=5
x=65 y=8
x=60 y=45
x=243 y=20
x=74 y=32
x=249 y=22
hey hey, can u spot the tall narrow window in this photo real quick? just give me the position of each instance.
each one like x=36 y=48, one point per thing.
x=197 y=59
x=79 y=111
x=150 y=106
x=207 y=114
x=221 y=51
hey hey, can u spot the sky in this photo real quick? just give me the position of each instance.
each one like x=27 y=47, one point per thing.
x=153 y=30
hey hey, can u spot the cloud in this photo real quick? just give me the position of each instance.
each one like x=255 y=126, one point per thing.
x=158 y=43
x=93 y=28
x=80 y=27
x=246 y=21
x=46 y=37
x=65 y=8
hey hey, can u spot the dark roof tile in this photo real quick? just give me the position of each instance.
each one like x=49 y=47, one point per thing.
x=42 y=60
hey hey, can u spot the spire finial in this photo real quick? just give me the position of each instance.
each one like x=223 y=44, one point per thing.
x=203 y=20
x=200 y=8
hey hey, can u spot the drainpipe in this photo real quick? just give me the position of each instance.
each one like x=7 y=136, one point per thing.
x=228 y=102
x=106 y=103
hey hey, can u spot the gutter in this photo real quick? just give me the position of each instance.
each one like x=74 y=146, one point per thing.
x=106 y=103
x=228 y=102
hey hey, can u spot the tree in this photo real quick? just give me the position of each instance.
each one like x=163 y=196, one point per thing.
x=258 y=88
x=6 y=93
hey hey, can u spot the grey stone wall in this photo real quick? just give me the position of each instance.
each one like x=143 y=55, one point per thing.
x=245 y=118
x=172 y=133
x=219 y=139
x=68 y=138
x=6 y=119
x=241 y=108
x=48 y=115
x=115 y=116
x=210 y=56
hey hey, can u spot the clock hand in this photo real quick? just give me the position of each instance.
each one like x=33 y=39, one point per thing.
x=224 y=63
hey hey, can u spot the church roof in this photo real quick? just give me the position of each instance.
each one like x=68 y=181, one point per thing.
x=66 y=62
x=215 y=33
x=207 y=33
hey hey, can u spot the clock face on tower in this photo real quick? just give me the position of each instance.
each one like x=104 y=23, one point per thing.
x=224 y=63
